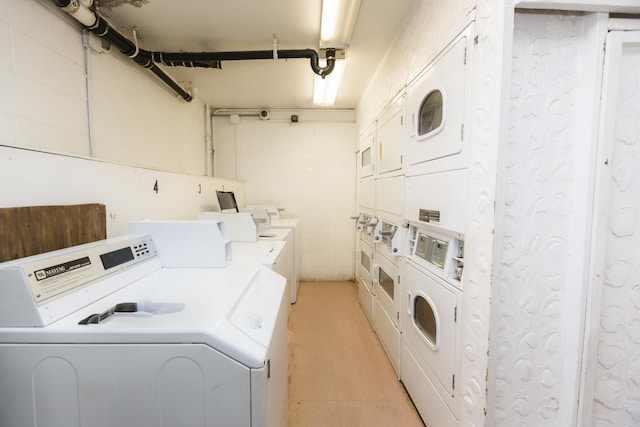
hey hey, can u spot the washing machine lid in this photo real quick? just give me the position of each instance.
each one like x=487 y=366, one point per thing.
x=232 y=310
x=274 y=234
x=285 y=223
x=264 y=252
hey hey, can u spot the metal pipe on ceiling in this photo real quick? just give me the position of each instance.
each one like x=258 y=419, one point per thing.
x=214 y=59
x=81 y=11
x=100 y=27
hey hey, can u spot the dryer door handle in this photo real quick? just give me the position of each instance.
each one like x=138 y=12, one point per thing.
x=412 y=131
x=409 y=299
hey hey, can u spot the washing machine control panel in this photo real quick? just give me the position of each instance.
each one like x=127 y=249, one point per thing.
x=52 y=277
x=41 y=289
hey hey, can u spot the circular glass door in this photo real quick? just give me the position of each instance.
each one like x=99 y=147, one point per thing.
x=430 y=114
x=424 y=317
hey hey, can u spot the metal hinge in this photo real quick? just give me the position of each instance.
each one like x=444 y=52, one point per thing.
x=401 y=120
x=401 y=159
x=268 y=368
x=464 y=60
x=455 y=314
x=453 y=381
x=462 y=132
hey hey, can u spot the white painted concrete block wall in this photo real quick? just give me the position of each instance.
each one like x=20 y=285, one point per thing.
x=540 y=286
x=306 y=168
x=136 y=120
x=31 y=178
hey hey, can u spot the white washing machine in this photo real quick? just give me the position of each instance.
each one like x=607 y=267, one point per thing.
x=364 y=275
x=295 y=238
x=388 y=294
x=240 y=227
x=102 y=334
x=292 y=224
x=286 y=264
x=390 y=245
x=276 y=255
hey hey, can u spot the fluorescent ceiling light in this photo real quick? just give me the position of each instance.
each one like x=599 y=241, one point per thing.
x=338 y=19
x=325 y=90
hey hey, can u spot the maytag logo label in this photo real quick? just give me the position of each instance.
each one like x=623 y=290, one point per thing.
x=59 y=269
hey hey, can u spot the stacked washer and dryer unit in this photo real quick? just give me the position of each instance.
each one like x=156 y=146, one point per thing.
x=412 y=216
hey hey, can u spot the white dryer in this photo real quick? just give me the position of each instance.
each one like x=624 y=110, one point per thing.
x=101 y=335
x=430 y=329
x=437 y=146
x=437 y=101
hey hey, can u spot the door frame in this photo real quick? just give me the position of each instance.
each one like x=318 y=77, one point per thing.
x=620 y=31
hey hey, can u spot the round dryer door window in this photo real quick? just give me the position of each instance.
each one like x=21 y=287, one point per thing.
x=430 y=113
x=425 y=319
x=430 y=322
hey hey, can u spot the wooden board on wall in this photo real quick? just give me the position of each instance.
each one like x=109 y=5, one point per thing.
x=32 y=230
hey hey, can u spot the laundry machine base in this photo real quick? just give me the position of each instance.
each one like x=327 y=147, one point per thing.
x=367 y=301
x=389 y=336
x=143 y=385
x=430 y=405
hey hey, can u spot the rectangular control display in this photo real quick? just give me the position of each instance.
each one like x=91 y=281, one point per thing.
x=439 y=252
x=116 y=258
x=432 y=250
x=421 y=246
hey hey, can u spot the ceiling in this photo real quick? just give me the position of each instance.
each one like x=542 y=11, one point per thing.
x=238 y=25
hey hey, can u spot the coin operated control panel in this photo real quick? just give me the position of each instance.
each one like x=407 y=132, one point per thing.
x=366 y=225
x=441 y=254
x=391 y=236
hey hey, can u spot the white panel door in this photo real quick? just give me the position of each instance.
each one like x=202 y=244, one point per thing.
x=390 y=138
x=366 y=152
x=367 y=195
x=387 y=286
x=611 y=374
x=389 y=198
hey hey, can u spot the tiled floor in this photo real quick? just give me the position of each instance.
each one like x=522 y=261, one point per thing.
x=339 y=375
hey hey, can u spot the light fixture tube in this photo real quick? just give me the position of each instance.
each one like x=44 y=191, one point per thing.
x=325 y=90
x=338 y=20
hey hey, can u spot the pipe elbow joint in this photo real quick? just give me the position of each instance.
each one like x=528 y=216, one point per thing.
x=78 y=10
x=327 y=69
